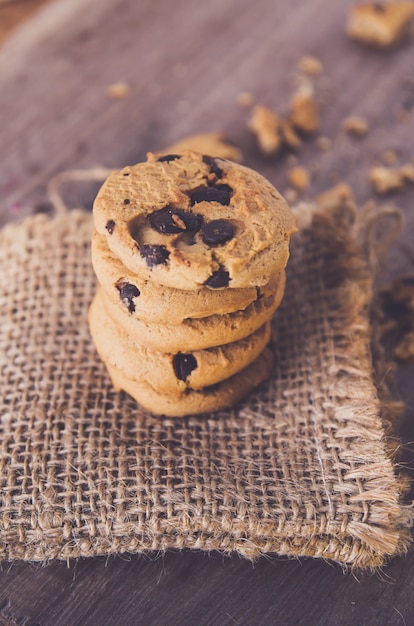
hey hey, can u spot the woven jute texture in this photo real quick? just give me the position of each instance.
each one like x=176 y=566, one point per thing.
x=300 y=468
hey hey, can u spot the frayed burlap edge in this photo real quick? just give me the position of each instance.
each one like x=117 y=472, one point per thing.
x=374 y=230
x=377 y=230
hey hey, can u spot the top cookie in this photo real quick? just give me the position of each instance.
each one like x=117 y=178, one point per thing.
x=191 y=220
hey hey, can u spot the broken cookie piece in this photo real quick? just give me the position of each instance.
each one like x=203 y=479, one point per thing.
x=355 y=125
x=388 y=179
x=267 y=126
x=385 y=179
x=272 y=131
x=304 y=110
x=380 y=24
x=336 y=197
x=289 y=135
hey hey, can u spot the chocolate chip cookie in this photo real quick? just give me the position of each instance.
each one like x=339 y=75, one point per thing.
x=154 y=303
x=190 y=221
x=194 y=402
x=172 y=373
x=195 y=334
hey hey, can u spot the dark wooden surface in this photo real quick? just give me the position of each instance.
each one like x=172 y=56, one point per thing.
x=186 y=63
x=14 y=12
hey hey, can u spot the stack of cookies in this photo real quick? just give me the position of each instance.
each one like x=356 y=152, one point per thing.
x=189 y=251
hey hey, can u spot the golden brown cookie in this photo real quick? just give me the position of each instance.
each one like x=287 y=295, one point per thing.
x=154 y=303
x=190 y=221
x=192 y=402
x=172 y=373
x=195 y=334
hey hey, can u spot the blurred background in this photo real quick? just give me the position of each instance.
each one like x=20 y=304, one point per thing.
x=91 y=83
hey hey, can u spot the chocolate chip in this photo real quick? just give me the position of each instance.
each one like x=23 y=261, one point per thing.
x=212 y=163
x=110 y=225
x=223 y=188
x=127 y=201
x=217 y=232
x=218 y=193
x=170 y=221
x=154 y=254
x=168 y=157
x=219 y=278
x=183 y=365
x=128 y=291
x=126 y=173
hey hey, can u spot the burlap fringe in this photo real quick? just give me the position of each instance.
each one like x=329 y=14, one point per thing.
x=375 y=229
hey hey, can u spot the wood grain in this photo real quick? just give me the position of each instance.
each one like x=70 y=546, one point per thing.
x=14 y=12
x=186 y=63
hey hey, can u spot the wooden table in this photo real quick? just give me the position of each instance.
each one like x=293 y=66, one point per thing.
x=185 y=64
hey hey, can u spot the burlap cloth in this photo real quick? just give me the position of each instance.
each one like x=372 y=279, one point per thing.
x=301 y=468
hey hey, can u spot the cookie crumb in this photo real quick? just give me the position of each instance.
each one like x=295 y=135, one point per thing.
x=299 y=177
x=336 y=197
x=310 y=65
x=389 y=157
x=386 y=179
x=215 y=144
x=323 y=143
x=118 y=91
x=266 y=125
x=380 y=24
x=289 y=135
x=291 y=195
x=304 y=110
x=355 y=125
x=245 y=99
